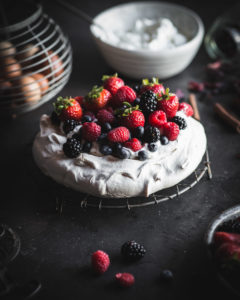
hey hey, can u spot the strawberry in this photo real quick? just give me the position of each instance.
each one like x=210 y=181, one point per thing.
x=221 y=237
x=125 y=279
x=157 y=119
x=228 y=251
x=134 y=144
x=79 y=99
x=104 y=116
x=171 y=130
x=97 y=98
x=153 y=86
x=130 y=116
x=169 y=103
x=100 y=262
x=112 y=83
x=119 y=135
x=186 y=108
x=67 y=108
x=91 y=131
x=124 y=94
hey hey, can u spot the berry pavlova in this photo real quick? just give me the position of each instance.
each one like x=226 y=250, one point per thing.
x=119 y=141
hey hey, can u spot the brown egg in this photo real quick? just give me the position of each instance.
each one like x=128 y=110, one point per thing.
x=30 y=89
x=28 y=51
x=42 y=81
x=10 y=68
x=56 y=64
x=7 y=48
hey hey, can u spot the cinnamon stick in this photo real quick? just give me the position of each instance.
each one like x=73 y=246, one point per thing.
x=193 y=102
x=227 y=116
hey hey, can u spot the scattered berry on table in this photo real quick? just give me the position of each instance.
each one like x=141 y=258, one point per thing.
x=132 y=250
x=134 y=144
x=68 y=108
x=97 y=98
x=142 y=155
x=138 y=132
x=148 y=102
x=119 y=135
x=195 y=86
x=153 y=86
x=230 y=226
x=181 y=122
x=104 y=115
x=112 y=83
x=86 y=118
x=69 y=125
x=169 y=103
x=164 y=140
x=151 y=134
x=171 y=131
x=91 y=131
x=125 y=279
x=152 y=147
x=166 y=275
x=87 y=146
x=72 y=148
x=157 y=118
x=106 y=150
x=55 y=119
x=124 y=94
x=106 y=127
x=186 y=108
x=100 y=261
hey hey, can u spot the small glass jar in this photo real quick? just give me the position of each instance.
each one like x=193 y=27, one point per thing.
x=223 y=39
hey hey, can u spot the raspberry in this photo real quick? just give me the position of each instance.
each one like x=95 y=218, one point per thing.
x=132 y=250
x=157 y=118
x=119 y=135
x=171 y=130
x=186 y=108
x=124 y=94
x=134 y=144
x=100 y=261
x=104 y=116
x=125 y=279
x=91 y=131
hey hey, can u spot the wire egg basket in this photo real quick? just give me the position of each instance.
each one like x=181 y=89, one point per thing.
x=35 y=63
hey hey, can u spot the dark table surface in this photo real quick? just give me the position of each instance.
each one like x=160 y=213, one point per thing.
x=56 y=248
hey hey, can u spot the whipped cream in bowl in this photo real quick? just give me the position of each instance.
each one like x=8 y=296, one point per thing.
x=111 y=177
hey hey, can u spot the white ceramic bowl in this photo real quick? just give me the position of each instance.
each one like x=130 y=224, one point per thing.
x=149 y=63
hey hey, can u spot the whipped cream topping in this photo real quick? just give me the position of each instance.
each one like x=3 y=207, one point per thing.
x=108 y=176
x=151 y=34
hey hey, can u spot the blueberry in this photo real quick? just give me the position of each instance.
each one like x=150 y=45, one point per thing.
x=136 y=101
x=166 y=275
x=139 y=132
x=117 y=147
x=105 y=150
x=106 y=127
x=152 y=147
x=164 y=140
x=102 y=138
x=123 y=153
x=86 y=118
x=142 y=155
x=87 y=147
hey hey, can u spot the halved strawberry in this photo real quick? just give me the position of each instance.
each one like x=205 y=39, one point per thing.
x=168 y=102
x=112 y=83
x=67 y=108
x=97 y=98
x=153 y=86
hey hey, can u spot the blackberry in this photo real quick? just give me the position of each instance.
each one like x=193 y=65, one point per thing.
x=55 y=119
x=232 y=226
x=151 y=134
x=132 y=250
x=69 y=125
x=181 y=122
x=148 y=102
x=72 y=148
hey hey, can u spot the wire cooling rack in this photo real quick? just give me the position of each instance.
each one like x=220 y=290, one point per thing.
x=34 y=46
x=204 y=169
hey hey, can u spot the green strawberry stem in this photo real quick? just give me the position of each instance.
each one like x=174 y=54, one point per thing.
x=165 y=96
x=95 y=92
x=105 y=77
x=62 y=103
x=120 y=112
x=150 y=83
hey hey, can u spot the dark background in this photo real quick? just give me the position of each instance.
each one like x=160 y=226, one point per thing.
x=56 y=248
